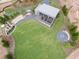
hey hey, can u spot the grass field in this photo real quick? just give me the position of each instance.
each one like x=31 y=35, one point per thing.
x=33 y=40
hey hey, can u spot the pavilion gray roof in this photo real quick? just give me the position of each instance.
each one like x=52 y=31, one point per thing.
x=47 y=10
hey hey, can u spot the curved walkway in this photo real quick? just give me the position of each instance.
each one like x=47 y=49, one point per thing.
x=74 y=55
x=3 y=52
x=11 y=42
x=22 y=18
x=3 y=6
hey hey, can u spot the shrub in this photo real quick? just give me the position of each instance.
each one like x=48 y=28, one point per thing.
x=65 y=10
x=58 y=15
x=74 y=34
x=72 y=43
x=2 y=20
x=6 y=17
x=12 y=13
x=5 y=43
x=67 y=45
x=9 y=56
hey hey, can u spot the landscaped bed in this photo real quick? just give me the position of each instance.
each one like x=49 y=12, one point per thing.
x=33 y=40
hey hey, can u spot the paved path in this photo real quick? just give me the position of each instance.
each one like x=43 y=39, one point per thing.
x=74 y=55
x=4 y=5
x=3 y=52
x=22 y=18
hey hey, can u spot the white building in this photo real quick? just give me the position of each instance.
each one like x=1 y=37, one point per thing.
x=46 y=14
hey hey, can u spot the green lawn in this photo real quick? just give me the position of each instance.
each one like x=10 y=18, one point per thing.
x=34 y=40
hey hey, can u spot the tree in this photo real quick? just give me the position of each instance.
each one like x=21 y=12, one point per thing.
x=6 y=17
x=65 y=10
x=74 y=34
x=5 y=43
x=2 y=20
x=9 y=56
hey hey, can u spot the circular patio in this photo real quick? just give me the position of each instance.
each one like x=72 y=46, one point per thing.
x=63 y=36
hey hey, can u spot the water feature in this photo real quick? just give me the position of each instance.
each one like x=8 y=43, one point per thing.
x=63 y=36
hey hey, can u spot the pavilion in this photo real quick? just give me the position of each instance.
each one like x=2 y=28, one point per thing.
x=46 y=14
